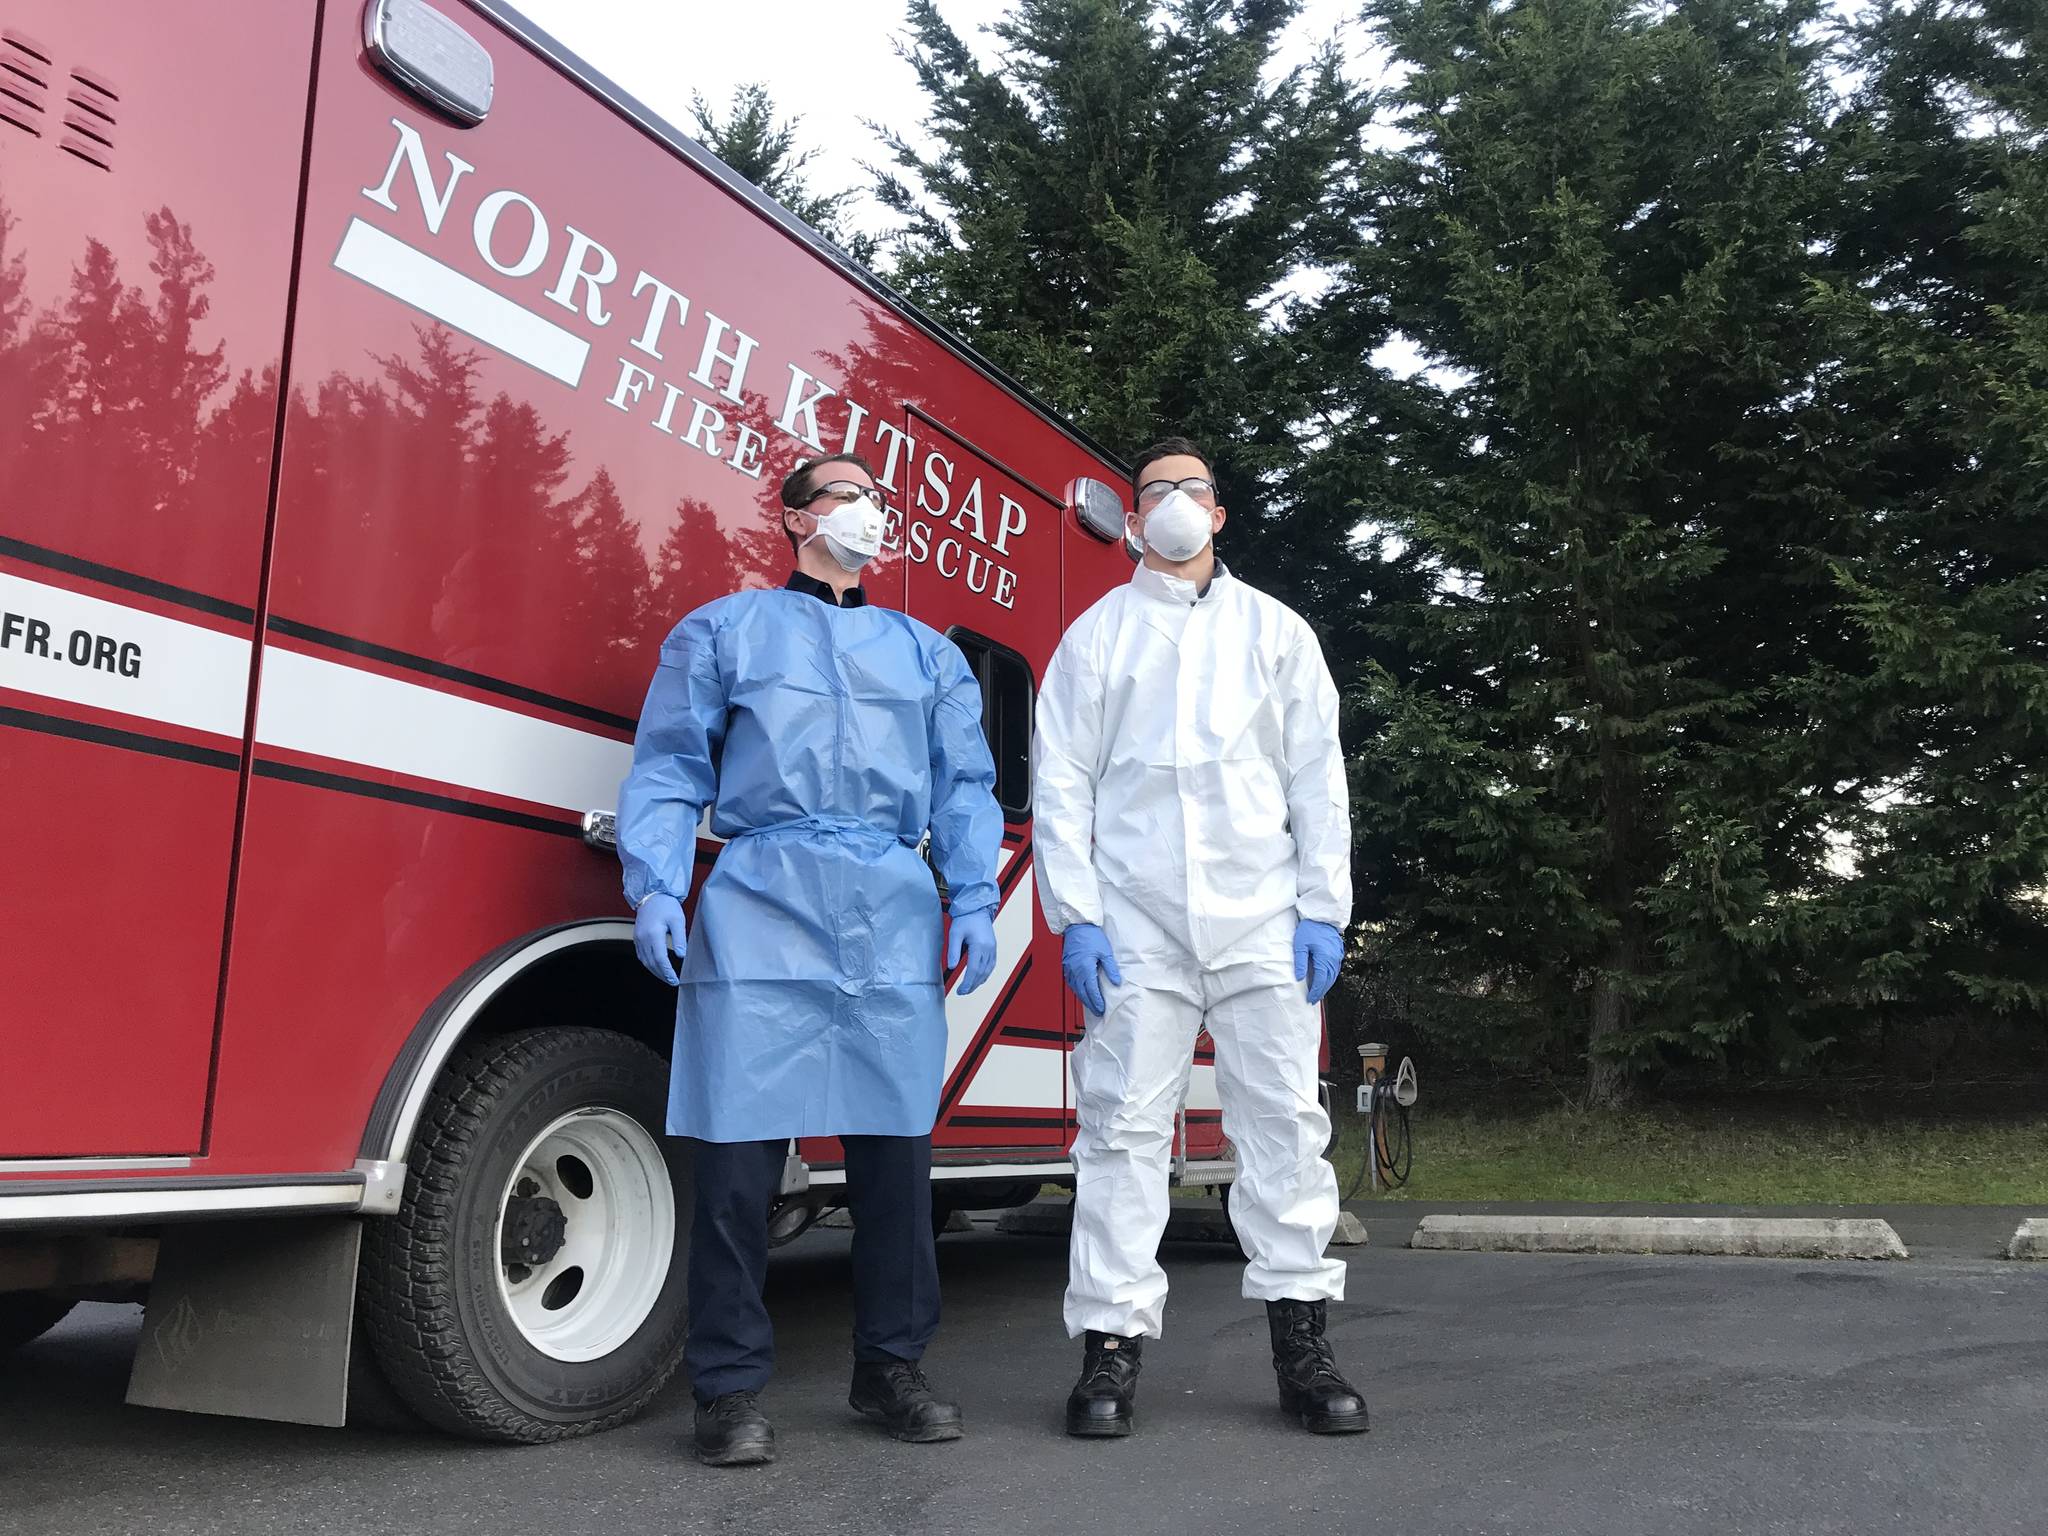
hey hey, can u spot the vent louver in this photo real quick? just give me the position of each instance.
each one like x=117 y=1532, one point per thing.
x=92 y=100
x=89 y=110
x=24 y=83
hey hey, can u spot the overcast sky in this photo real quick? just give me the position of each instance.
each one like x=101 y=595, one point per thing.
x=829 y=63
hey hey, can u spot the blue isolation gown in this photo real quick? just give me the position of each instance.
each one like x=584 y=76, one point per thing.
x=826 y=741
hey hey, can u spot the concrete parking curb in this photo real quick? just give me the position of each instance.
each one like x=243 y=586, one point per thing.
x=1727 y=1236
x=2031 y=1240
x=1041 y=1218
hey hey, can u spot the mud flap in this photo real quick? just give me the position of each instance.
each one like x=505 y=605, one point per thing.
x=251 y=1319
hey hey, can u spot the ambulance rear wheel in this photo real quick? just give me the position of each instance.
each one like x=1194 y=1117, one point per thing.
x=531 y=1286
x=26 y=1317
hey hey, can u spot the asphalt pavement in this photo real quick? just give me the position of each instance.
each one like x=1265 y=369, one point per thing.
x=1510 y=1393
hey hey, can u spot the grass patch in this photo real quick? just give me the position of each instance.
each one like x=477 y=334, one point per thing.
x=1745 y=1155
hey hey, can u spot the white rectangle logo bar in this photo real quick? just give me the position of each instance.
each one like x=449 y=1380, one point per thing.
x=1202 y=1090
x=434 y=288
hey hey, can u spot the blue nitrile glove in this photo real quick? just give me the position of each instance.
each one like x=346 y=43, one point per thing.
x=1083 y=951
x=975 y=933
x=1318 y=953
x=657 y=929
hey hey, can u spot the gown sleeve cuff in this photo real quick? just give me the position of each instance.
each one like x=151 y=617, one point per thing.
x=978 y=897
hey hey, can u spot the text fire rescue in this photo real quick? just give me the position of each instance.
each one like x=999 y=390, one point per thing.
x=583 y=284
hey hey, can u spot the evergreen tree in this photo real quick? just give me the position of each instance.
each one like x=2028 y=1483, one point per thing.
x=695 y=545
x=750 y=140
x=182 y=378
x=1598 y=230
x=28 y=358
x=1941 y=397
x=236 y=443
x=610 y=577
x=14 y=305
x=407 y=440
x=116 y=391
x=100 y=331
x=1115 y=217
x=702 y=558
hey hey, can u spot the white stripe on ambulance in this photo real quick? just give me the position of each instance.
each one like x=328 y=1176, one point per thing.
x=176 y=673
x=84 y=650
x=331 y=709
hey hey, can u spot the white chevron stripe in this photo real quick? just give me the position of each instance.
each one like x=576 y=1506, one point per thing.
x=966 y=1015
x=1018 y=1077
x=1202 y=1091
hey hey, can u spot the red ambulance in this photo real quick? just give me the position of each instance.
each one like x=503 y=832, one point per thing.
x=378 y=384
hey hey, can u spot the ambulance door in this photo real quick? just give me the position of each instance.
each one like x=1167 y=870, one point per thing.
x=981 y=543
x=149 y=177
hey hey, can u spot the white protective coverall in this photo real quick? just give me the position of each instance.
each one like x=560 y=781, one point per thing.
x=1190 y=799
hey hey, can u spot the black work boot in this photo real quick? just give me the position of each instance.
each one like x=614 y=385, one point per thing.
x=895 y=1395
x=1312 y=1389
x=1104 y=1400
x=732 y=1432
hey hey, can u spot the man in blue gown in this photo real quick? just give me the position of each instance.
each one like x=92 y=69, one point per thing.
x=827 y=738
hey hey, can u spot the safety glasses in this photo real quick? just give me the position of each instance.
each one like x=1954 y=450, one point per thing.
x=848 y=491
x=1152 y=492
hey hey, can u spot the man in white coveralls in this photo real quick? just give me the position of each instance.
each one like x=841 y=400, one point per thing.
x=1194 y=849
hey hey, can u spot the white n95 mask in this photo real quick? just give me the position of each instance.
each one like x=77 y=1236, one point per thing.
x=852 y=532
x=1178 y=527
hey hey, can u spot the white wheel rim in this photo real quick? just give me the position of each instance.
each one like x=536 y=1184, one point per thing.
x=608 y=1176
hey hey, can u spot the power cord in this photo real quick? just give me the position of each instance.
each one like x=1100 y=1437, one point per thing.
x=1387 y=1123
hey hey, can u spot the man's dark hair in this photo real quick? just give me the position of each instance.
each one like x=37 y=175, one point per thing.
x=798 y=484
x=1167 y=448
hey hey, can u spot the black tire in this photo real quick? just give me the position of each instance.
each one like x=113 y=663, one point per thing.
x=430 y=1296
x=25 y=1316
x=372 y=1404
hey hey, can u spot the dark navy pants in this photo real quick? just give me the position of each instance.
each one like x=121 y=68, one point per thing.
x=731 y=1346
